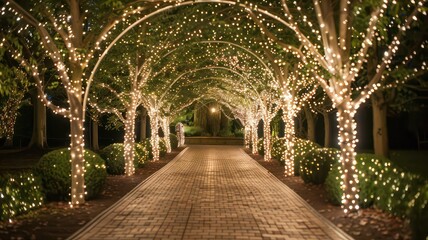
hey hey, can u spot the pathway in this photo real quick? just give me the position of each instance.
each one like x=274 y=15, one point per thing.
x=211 y=192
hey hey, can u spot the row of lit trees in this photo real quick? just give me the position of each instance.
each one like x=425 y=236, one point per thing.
x=329 y=50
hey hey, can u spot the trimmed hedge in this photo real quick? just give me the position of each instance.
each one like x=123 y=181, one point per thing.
x=142 y=151
x=301 y=148
x=20 y=191
x=162 y=147
x=54 y=169
x=113 y=155
x=174 y=141
x=316 y=164
x=368 y=165
x=389 y=188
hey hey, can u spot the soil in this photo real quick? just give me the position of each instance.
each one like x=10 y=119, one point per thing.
x=56 y=220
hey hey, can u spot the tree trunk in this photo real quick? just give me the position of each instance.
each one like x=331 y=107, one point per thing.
x=143 y=124
x=154 y=139
x=77 y=150
x=95 y=136
x=380 y=129
x=347 y=141
x=327 y=137
x=310 y=121
x=165 y=128
x=288 y=157
x=247 y=136
x=39 y=136
x=200 y=116
x=129 y=141
x=254 y=137
x=266 y=139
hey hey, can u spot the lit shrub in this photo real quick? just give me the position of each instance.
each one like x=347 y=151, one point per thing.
x=174 y=140
x=113 y=155
x=143 y=151
x=54 y=169
x=278 y=149
x=418 y=214
x=316 y=164
x=162 y=147
x=20 y=191
x=389 y=188
x=368 y=166
x=301 y=148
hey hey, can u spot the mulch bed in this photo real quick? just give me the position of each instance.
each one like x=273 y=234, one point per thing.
x=56 y=220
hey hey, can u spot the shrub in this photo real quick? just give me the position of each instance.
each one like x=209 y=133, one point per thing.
x=389 y=188
x=20 y=191
x=174 y=140
x=162 y=147
x=54 y=169
x=301 y=148
x=147 y=146
x=316 y=164
x=190 y=131
x=113 y=155
x=278 y=149
x=367 y=165
x=143 y=154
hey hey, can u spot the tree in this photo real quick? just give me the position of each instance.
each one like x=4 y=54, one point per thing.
x=70 y=37
x=339 y=43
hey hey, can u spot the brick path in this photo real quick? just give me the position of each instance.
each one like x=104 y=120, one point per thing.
x=211 y=192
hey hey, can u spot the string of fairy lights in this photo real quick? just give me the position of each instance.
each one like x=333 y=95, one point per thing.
x=250 y=34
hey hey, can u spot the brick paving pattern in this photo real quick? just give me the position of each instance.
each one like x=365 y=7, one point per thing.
x=211 y=192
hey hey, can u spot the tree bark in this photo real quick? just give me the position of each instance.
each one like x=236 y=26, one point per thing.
x=327 y=141
x=266 y=139
x=154 y=139
x=77 y=150
x=166 y=130
x=380 y=128
x=254 y=137
x=347 y=141
x=143 y=124
x=289 y=132
x=247 y=135
x=95 y=136
x=38 y=136
x=129 y=140
x=310 y=121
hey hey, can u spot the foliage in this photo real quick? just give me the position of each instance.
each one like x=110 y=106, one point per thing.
x=301 y=148
x=19 y=192
x=174 y=140
x=162 y=147
x=113 y=155
x=389 y=188
x=54 y=170
x=316 y=164
x=190 y=131
x=143 y=154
